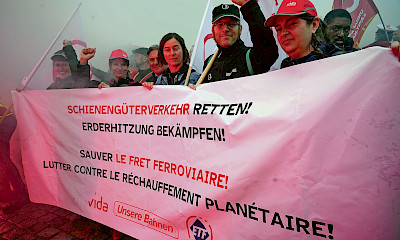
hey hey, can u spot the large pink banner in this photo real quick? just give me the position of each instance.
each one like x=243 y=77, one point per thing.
x=362 y=12
x=306 y=152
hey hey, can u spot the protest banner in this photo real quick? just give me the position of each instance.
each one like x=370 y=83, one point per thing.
x=362 y=12
x=306 y=152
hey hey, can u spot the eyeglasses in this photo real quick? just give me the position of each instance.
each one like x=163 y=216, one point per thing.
x=338 y=29
x=221 y=25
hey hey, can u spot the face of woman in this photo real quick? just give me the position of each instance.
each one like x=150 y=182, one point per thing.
x=119 y=68
x=173 y=53
x=294 y=35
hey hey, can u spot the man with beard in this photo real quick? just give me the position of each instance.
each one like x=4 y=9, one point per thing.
x=234 y=59
x=142 y=65
x=338 y=28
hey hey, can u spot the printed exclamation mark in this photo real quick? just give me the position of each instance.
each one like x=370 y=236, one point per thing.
x=223 y=134
x=330 y=229
x=248 y=107
x=226 y=182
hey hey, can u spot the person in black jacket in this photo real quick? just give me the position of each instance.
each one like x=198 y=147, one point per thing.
x=338 y=23
x=69 y=72
x=234 y=59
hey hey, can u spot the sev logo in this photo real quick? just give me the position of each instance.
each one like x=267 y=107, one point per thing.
x=198 y=229
x=291 y=4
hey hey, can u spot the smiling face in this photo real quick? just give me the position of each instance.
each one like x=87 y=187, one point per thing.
x=226 y=31
x=294 y=35
x=155 y=65
x=62 y=69
x=173 y=53
x=338 y=30
x=119 y=68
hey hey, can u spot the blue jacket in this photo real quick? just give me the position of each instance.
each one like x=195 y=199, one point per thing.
x=325 y=50
x=177 y=78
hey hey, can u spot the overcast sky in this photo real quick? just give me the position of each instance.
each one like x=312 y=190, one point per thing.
x=28 y=27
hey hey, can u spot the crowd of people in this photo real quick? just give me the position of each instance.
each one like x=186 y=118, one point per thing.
x=300 y=32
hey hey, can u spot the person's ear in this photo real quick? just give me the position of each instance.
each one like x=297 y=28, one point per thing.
x=315 y=24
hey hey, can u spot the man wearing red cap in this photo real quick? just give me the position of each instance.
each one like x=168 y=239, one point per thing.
x=234 y=59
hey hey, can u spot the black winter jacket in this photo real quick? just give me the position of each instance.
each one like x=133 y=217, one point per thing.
x=231 y=62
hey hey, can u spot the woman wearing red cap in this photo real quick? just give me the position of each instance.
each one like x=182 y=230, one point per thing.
x=118 y=63
x=299 y=33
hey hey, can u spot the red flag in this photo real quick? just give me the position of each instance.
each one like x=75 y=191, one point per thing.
x=362 y=12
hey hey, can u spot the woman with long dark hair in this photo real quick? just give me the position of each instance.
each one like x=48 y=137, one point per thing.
x=173 y=52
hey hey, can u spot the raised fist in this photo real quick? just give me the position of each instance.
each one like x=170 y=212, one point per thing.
x=86 y=54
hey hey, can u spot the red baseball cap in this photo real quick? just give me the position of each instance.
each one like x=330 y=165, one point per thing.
x=292 y=8
x=118 y=54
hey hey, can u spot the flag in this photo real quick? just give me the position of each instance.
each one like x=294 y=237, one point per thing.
x=206 y=45
x=43 y=75
x=362 y=12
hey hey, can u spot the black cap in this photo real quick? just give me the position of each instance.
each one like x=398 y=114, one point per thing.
x=142 y=51
x=225 y=10
x=59 y=56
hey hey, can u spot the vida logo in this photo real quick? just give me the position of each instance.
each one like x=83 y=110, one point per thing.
x=98 y=204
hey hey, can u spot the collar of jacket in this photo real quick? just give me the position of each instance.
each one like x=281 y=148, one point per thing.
x=314 y=55
x=171 y=76
x=183 y=69
x=121 y=81
x=227 y=52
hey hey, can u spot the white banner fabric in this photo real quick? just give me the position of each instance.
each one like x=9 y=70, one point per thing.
x=307 y=152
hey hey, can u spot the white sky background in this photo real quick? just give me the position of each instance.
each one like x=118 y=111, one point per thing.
x=28 y=27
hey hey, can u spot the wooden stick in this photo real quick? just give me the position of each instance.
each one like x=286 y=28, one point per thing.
x=188 y=75
x=6 y=113
x=210 y=63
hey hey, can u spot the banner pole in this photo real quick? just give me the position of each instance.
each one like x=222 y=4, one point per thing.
x=203 y=75
x=26 y=80
x=196 y=44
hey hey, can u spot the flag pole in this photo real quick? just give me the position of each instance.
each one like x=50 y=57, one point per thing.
x=210 y=63
x=26 y=80
x=384 y=28
x=196 y=44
